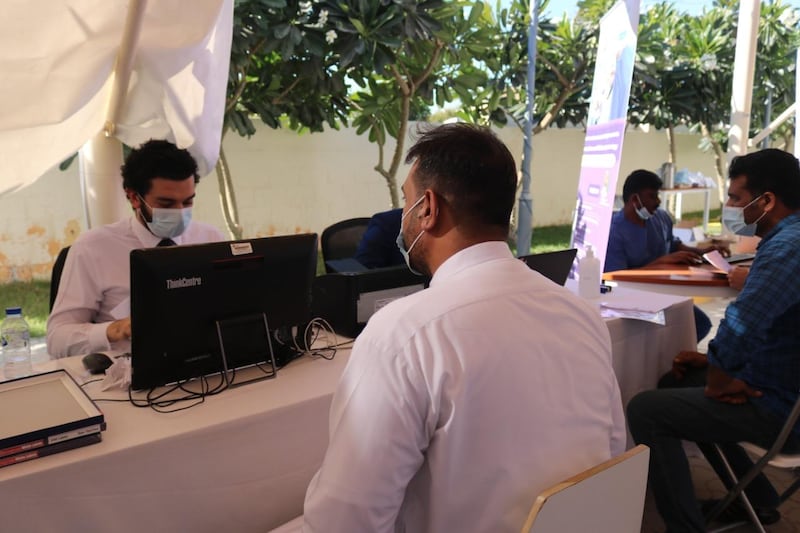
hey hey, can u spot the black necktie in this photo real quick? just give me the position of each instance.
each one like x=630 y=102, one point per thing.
x=166 y=242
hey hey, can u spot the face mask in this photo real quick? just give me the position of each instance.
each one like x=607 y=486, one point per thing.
x=733 y=219
x=401 y=245
x=643 y=213
x=167 y=223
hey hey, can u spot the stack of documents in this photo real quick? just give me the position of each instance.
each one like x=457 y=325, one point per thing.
x=640 y=305
x=45 y=414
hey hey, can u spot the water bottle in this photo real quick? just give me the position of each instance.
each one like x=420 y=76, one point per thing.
x=15 y=339
x=589 y=275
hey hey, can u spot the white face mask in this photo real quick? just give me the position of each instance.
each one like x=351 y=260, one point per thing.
x=642 y=211
x=733 y=219
x=401 y=244
x=167 y=223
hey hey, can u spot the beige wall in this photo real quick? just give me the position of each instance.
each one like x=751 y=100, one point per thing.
x=289 y=183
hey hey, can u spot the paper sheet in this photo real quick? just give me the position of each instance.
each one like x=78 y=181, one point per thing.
x=716 y=259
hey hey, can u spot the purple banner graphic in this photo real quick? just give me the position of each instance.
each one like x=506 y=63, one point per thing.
x=602 y=149
x=598 y=184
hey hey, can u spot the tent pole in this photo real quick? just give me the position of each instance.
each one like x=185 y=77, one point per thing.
x=744 y=67
x=101 y=157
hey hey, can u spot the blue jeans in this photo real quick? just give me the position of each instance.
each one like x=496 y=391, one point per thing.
x=662 y=418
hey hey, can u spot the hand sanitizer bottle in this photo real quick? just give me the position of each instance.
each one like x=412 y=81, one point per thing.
x=589 y=275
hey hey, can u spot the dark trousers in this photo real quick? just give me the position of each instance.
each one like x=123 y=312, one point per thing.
x=662 y=418
x=702 y=324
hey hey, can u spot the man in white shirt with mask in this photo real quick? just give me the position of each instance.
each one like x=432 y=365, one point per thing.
x=91 y=312
x=460 y=403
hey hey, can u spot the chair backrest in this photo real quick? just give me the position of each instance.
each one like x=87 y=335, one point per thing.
x=340 y=240
x=607 y=498
x=55 y=277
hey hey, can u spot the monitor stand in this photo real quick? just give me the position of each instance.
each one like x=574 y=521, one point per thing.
x=258 y=320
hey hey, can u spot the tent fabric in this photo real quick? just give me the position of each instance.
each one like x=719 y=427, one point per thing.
x=57 y=59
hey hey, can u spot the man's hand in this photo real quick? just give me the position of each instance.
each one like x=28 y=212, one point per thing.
x=723 y=387
x=683 y=257
x=737 y=276
x=721 y=247
x=686 y=360
x=119 y=330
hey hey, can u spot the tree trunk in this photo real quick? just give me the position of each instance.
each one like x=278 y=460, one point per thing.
x=719 y=162
x=227 y=198
x=673 y=150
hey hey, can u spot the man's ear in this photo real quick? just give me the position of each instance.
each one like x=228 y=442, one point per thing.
x=770 y=204
x=429 y=215
x=133 y=198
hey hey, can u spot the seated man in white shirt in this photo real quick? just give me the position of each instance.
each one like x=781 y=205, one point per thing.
x=460 y=403
x=91 y=310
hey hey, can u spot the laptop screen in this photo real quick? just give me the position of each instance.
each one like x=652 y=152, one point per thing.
x=552 y=265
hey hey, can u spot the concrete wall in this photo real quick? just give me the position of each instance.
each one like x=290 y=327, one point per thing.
x=289 y=183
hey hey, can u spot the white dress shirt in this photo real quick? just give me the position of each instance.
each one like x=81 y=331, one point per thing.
x=462 y=402
x=96 y=279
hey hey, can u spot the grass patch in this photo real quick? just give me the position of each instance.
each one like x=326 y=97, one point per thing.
x=33 y=297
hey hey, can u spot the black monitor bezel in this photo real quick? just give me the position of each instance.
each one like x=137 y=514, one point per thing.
x=280 y=268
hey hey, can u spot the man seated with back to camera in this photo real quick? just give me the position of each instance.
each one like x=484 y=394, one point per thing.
x=461 y=402
x=641 y=236
x=744 y=388
x=90 y=313
x=378 y=246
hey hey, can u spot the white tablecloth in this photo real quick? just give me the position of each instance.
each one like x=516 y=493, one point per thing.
x=239 y=462
x=242 y=460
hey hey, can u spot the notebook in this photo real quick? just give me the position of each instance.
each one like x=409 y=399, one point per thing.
x=552 y=265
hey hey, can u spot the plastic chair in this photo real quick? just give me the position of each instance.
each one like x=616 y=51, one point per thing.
x=771 y=457
x=607 y=498
x=55 y=277
x=340 y=240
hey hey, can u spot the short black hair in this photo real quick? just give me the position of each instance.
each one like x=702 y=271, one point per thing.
x=471 y=169
x=157 y=159
x=770 y=170
x=638 y=181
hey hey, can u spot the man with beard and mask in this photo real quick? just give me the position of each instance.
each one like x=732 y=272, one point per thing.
x=641 y=236
x=461 y=402
x=745 y=387
x=91 y=310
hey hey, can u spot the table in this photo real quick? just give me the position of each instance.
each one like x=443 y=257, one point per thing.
x=239 y=462
x=242 y=460
x=641 y=351
x=678 y=194
x=674 y=279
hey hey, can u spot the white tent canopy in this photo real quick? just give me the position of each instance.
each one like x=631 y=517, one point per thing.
x=57 y=59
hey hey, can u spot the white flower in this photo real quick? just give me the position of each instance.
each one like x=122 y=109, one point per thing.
x=330 y=36
x=709 y=61
x=305 y=8
x=323 y=18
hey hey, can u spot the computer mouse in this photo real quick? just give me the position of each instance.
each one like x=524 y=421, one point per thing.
x=97 y=363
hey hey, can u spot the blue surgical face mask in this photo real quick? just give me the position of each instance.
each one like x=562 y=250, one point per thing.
x=733 y=219
x=642 y=211
x=401 y=245
x=167 y=223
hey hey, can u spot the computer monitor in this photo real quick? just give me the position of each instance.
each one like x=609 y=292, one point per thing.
x=185 y=299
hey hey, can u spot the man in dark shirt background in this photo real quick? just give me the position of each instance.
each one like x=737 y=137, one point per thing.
x=378 y=246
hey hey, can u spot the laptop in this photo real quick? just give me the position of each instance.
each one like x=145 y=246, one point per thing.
x=738 y=258
x=552 y=265
x=348 y=264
